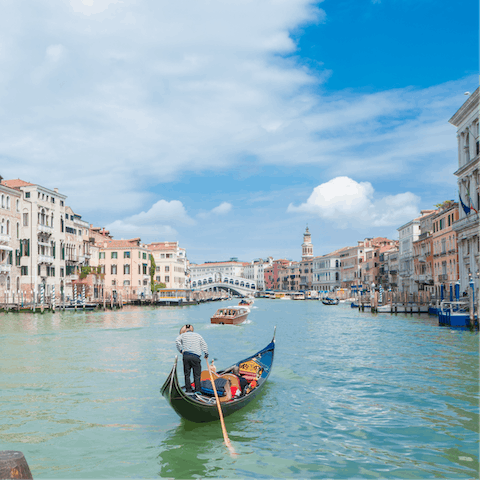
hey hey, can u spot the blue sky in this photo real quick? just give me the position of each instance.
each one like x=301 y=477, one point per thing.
x=230 y=126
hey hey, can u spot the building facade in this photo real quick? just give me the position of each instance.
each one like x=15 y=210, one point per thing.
x=170 y=264
x=466 y=119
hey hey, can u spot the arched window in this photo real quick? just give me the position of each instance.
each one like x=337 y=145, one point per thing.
x=3 y=201
x=8 y=203
x=2 y=226
x=8 y=283
x=18 y=284
x=8 y=227
x=18 y=230
x=18 y=205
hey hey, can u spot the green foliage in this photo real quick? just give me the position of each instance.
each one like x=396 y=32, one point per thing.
x=153 y=266
x=85 y=271
x=158 y=286
x=444 y=205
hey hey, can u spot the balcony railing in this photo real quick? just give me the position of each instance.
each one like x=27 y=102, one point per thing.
x=4 y=238
x=469 y=221
x=5 y=268
x=45 y=259
x=45 y=229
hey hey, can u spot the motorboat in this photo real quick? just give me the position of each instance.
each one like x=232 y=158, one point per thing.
x=230 y=315
x=455 y=314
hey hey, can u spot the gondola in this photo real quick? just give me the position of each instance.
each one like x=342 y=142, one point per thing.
x=330 y=301
x=199 y=408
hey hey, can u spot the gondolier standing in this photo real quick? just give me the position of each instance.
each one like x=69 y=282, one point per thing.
x=191 y=345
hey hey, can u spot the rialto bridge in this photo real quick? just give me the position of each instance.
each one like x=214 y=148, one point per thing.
x=218 y=281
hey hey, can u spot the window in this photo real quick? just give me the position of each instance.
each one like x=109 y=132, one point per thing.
x=53 y=199
x=25 y=219
x=144 y=268
x=18 y=205
x=126 y=283
x=167 y=279
x=62 y=272
x=126 y=269
x=114 y=255
x=27 y=194
x=158 y=278
x=114 y=282
x=167 y=268
x=61 y=203
x=101 y=255
x=157 y=269
x=24 y=270
x=144 y=256
x=113 y=269
x=126 y=254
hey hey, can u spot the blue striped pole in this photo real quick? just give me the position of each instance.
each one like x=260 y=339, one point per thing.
x=42 y=297
x=53 y=298
x=380 y=295
x=75 y=296
x=83 y=296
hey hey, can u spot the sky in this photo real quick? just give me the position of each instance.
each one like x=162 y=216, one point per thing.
x=229 y=126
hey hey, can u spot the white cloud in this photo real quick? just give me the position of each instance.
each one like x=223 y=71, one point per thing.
x=156 y=223
x=349 y=203
x=108 y=99
x=221 y=209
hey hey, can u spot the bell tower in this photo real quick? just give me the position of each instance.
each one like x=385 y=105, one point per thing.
x=307 y=247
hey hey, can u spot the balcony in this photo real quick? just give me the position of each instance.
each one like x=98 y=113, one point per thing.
x=470 y=221
x=45 y=229
x=45 y=259
x=443 y=277
x=5 y=268
x=4 y=238
x=71 y=258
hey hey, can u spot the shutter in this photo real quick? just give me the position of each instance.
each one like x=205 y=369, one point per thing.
x=54 y=250
x=63 y=253
x=10 y=255
x=21 y=248
x=27 y=248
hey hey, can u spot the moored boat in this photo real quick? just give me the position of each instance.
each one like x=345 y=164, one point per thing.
x=201 y=408
x=230 y=315
x=330 y=301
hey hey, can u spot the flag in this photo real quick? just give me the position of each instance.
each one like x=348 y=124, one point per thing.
x=471 y=202
x=465 y=208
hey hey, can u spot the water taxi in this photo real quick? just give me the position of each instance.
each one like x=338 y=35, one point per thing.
x=230 y=315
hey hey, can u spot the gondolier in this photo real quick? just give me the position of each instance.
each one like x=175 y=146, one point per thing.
x=191 y=345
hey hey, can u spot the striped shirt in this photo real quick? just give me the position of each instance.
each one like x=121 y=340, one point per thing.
x=191 y=342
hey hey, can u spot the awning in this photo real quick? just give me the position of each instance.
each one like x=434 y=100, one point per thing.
x=5 y=247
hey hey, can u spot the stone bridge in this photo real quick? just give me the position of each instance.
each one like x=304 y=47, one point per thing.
x=215 y=282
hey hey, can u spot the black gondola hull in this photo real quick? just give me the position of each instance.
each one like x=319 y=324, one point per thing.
x=195 y=411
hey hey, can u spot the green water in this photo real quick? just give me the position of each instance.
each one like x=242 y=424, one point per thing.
x=351 y=395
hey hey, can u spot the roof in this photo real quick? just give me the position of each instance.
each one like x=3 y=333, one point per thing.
x=16 y=183
x=134 y=242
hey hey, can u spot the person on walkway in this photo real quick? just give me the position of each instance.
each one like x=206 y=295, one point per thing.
x=191 y=345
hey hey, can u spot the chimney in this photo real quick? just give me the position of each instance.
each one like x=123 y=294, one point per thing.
x=55 y=190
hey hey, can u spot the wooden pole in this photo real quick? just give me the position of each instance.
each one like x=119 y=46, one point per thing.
x=14 y=465
x=224 y=430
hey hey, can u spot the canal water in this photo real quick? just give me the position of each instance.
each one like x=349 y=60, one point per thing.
x=351 y=395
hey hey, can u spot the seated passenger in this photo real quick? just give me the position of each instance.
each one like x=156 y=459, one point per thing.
x=244 y=385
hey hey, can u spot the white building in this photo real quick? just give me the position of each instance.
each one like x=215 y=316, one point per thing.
x=170 y=264
x=466 y=119
x=256 y=271
x=327 y=271
x=407 y=234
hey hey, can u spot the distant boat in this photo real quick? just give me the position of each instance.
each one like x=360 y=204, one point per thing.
x=245 y=302
x=299 y=296
x=230 y=315
x=330 y=301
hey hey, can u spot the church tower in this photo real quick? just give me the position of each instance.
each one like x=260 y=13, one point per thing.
x=307 y=247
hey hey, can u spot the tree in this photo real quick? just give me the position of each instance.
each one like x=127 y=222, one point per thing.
x=153 y=266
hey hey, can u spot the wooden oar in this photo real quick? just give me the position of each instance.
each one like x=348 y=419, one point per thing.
x=220 y=413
